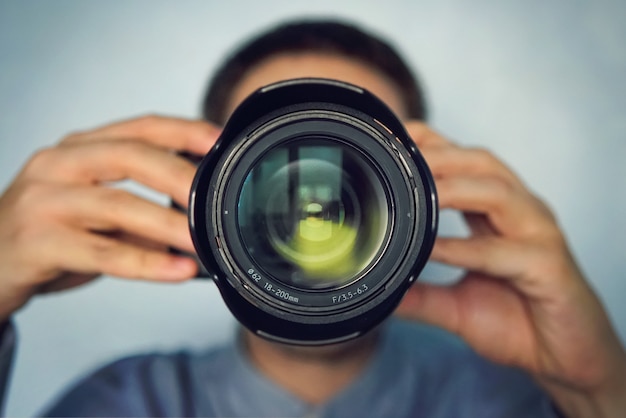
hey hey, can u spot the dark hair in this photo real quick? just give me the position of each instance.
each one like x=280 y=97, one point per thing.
x=313 y=36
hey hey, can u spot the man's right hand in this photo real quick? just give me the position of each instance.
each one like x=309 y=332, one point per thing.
x=61 y=224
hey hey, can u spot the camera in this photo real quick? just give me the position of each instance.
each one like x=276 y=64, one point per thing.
x=313 y=213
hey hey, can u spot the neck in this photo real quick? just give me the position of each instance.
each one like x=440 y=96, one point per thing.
x=313 y=374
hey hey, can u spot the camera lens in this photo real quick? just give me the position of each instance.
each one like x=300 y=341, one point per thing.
x=314 y=212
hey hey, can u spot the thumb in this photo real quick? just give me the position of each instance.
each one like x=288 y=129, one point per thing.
x=432 y=304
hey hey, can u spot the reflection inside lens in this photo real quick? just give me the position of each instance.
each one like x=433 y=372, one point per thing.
x=313 y=214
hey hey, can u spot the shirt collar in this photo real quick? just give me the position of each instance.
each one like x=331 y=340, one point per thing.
x=386 y=384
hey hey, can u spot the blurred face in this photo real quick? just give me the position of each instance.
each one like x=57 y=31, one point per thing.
x=288 y=66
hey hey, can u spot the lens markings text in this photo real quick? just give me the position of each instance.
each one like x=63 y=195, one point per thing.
x=346 y=296
x=274 y=290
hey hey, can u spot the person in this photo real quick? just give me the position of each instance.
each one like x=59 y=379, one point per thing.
x=521 y=334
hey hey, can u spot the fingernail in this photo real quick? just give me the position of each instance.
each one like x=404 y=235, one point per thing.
x=181 y=268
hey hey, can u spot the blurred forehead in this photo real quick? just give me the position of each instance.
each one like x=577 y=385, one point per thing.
x=287 y=66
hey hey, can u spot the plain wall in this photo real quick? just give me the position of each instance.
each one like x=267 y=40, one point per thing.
x=542 y=84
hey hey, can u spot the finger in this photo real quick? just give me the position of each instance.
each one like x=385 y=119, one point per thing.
x=137 y=240
x=195 y=136
x=479 y=224
x=490 y=255
x=479 y=309
x=89 y=253
x=424 y=136
x=476 y=303
x=432 y=304
x=457 y=161
x=538 y=269
x=66 y=281
x=107 y=209
x=510 y=209
x=103 y=161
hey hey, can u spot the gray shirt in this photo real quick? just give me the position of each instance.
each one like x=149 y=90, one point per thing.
x=417 y=371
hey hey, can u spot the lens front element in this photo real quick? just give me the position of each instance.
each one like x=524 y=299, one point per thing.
x=313 y=213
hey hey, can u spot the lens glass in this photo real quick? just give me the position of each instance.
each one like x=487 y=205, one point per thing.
x=313 y=213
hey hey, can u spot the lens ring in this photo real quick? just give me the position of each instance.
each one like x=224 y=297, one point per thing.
x=405 y=232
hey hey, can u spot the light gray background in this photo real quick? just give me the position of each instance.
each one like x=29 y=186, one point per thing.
x=542 y=83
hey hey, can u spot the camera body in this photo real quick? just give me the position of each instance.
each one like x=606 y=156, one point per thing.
x=313 y=213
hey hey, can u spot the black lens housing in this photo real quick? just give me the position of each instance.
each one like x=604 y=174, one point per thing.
x=342 y=114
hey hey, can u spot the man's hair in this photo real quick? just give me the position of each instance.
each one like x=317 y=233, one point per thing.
x=330 y=37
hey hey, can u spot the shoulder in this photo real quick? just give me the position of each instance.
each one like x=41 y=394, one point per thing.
x=155 y=384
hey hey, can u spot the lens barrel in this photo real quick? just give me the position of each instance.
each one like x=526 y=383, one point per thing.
x=314 y=212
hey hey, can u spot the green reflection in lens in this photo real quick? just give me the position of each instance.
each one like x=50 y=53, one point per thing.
x=321 y=247
x=313 y=215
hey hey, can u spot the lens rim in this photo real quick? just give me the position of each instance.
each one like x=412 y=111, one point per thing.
x=289 y=125
x=273 y=320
